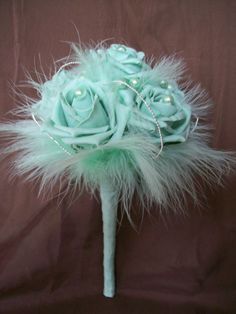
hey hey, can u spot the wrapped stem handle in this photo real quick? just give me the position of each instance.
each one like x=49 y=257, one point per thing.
x=109 y=197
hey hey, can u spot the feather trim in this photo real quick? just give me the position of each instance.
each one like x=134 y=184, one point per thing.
x=130 y=162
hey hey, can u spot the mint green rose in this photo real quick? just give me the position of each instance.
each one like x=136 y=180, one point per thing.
x=126 y=59
x=80 y=114
x=80 y=106
x=168 y=105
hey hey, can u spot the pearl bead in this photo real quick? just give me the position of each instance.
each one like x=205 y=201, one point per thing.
x=81 y=92
x=134 y=82
x=168 y=99
x=163 y=84
x=121 y=48
x=78 y=92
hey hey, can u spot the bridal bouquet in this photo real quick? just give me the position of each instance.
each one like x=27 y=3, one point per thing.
x=109 y=119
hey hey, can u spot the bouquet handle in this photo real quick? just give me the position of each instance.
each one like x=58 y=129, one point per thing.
x=109 y=198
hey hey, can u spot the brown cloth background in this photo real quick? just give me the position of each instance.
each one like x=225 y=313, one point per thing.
x=50 y=253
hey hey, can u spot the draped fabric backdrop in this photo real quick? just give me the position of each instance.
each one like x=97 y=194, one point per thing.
x=51 y=251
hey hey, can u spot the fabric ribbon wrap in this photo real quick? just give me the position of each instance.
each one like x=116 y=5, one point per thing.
x=112 y=121
x=109 y=198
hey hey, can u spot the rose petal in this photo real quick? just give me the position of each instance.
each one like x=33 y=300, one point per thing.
x=95 y=139
x=97 y=116
x=122 y=116
x=58 y=115
x=58 y=130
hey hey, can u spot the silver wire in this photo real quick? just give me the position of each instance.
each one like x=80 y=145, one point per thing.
x=150 y=110
x=52 y=138
x=66 y=64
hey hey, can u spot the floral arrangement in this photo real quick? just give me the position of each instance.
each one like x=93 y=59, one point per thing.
x=109 y=119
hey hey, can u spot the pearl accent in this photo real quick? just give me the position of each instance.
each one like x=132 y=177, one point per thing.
x=78 y=92
x=168 y=99
x=121 y=48
x=134 y=82
x=163 y=84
